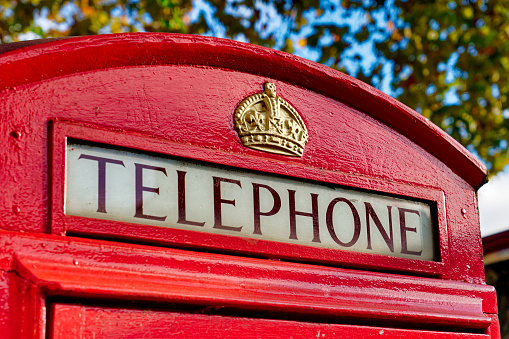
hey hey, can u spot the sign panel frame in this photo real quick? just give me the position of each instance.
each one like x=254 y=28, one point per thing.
x=63 y=224
x=112 y=183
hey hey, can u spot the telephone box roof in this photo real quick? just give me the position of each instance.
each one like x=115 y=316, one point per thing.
x=20 y=63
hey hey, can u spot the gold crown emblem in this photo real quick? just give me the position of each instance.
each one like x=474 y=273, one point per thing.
x=268 y=123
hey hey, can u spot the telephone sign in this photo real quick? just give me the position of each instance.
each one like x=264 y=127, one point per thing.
x=115 y=184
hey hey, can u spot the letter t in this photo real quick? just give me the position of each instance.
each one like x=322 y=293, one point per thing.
x=101 y=168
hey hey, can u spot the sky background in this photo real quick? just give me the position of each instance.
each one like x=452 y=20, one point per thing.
x=494 y=204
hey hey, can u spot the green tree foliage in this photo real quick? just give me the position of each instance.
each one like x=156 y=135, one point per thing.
x=89 y=17
x=448 y=60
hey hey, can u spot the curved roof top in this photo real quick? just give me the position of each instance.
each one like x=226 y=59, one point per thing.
x=20 y=63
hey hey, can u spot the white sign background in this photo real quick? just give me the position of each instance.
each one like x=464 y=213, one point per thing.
x=82 y=191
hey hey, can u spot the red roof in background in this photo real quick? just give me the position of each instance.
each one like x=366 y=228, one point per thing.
x=495 y=242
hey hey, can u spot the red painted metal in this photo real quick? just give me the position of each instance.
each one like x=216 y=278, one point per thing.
x=74 y=268
x=176 y=95
x=368 y=155
x=102 y=52
x=125 y=323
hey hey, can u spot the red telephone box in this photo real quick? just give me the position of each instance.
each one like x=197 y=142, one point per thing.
x=161 y=185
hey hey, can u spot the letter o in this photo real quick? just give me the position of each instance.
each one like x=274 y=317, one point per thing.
x=356 y=221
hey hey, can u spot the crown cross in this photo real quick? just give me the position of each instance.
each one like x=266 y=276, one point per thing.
x=268 y=123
